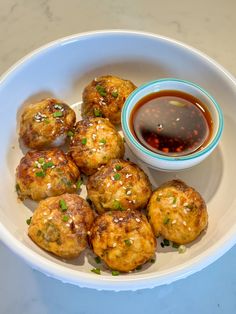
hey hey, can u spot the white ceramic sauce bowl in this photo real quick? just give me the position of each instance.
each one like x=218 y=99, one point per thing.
x=62 y=69
x=164 y=162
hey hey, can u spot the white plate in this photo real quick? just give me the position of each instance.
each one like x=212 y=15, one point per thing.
x=62 y=69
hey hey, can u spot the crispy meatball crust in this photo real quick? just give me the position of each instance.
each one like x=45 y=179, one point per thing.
x=46 y=173
x=105 y=96
x=60 y=225
x=123 y=239
x=46 y=123
x=94 y=143
x=177 y=212
x=119 y=185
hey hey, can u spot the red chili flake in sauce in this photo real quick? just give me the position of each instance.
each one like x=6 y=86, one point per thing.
x=171 y=123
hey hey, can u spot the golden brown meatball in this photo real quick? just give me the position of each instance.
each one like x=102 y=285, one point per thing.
x=46 y=173
x=177 y=212
x=119 y=185
x=105 y=97
x=123 y=239
x=60 y=225
x=46 y=123
x=94 y=143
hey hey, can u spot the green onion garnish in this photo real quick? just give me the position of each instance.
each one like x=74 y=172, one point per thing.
x=65 y=218
x=117 y=205
x=28 y=221
x=63 y=205
x=139 y=267
x=114 y=94
x=116 y=176
x=41 y=160
x=175 y=245
x=40 y=174
x=97 y=112
x=96 y=271
x=115 y=273
x=166 y=220
x=118 y=167
x=103 y=141
x=166 y=242
x=128 y=242
x=79 y=183
x=97 y=259
x=70 y=134
x=47 y=165
x=57 y=114
x=84 y=141
x=101 y=90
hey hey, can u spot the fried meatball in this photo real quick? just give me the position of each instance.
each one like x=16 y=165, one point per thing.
x=177 y=212
x=46 y=173
x=105 y=97
x=46 y=123
x=123 y=239
x=119 y=185
x=94 y=143
x=60 y=225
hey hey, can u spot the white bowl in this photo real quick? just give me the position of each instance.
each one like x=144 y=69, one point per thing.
x=164 y=162
x=62 y=69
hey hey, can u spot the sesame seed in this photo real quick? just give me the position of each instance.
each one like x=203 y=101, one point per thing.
x=45 y=213
x=116 y=220
x=108 y=184
x=125 y=188
x=88 y=232
x=94 y=136
x=185 y=204
x=68 y=225
x=114 y=244
x=121 y=183
x=128 y=175
x=173 y=221
x=99 y=121
x=130 y=201
x=189 y=229
x=174 y=205
x=90 y=124
x=60 y=158
x=134 y=201
x=112 y=178
x=121 y=218
x=137 y=219
x=185 y=211
x=114 y=169
x=49 y=185
x=129 y=192
x=160 y=194
x=50 y=158
x=184 y=223
x=94 y=149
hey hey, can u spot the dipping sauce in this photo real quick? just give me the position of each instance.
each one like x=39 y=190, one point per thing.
x=171 y=122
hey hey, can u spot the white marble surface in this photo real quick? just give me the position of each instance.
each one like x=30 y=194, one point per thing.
x=208 y=25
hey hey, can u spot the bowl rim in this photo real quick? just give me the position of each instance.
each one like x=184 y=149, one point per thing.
x=125 y=122
x=139 y=281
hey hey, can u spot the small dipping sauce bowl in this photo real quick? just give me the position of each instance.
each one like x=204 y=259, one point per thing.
x=171 y=124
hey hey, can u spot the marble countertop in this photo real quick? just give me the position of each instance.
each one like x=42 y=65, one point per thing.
x=207 y=25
